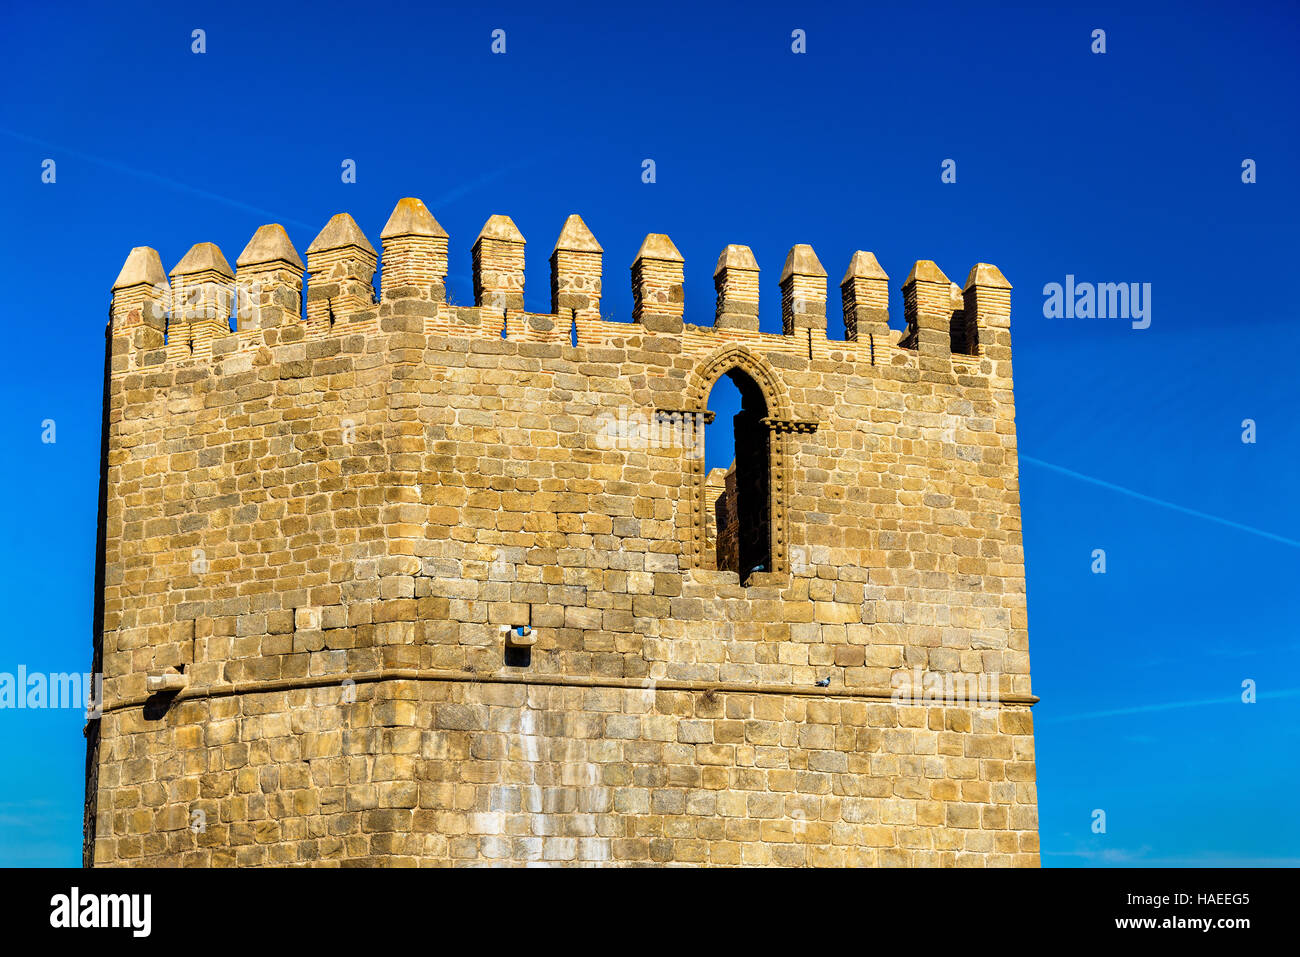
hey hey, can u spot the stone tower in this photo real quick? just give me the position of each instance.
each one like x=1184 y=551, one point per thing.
x=409 y=582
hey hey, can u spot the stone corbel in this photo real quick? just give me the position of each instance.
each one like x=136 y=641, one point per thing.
x=780 y=425
x=673 y=415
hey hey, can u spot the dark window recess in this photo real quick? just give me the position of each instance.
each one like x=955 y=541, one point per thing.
x=963 y=336
x=743 y=509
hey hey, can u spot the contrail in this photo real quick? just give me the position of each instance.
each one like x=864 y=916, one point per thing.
x=1166 y=706
x=455 y=193
x=155 y=177
x=445 y=199
x=1161 y=502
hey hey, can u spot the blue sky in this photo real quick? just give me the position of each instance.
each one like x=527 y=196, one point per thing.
x=1121 y=167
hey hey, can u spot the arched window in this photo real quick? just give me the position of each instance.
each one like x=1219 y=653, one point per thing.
x=739 y=501
x=753 y=494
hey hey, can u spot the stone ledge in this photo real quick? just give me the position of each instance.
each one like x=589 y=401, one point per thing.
x=632 y=684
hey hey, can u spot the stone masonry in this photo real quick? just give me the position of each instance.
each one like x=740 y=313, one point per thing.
x=382 y=585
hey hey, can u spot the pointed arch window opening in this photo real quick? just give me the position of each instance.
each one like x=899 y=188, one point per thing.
x=765 y=424
x=738 y=504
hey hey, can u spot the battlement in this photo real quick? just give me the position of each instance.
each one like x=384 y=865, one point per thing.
x=208 y=312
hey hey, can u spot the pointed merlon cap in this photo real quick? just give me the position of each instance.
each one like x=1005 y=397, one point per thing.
x=575 y=237
x=863 y=265
x=986 y=274
x=412 y=218
x=143 y=265
x=736 y=257
x=269 y=244
x=200 y=258
x=658 y=246
x=341 y=231
x=801 y=261
x=502 y=229
x=926 y=270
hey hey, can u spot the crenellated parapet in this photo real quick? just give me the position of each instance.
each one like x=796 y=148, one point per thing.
x=987 y=309
x=803 y=292
x=268 y=280
x=658 y=275
x=141 y=299
x=202 y=286
x=576 y=272
x=415 y=254
x=499 y=267
x=208 y=311
x=927 y=307
x=864 y=291
x=341 y=267
x=736 y=282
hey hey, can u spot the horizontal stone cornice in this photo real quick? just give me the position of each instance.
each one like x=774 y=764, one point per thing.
x=234 y=689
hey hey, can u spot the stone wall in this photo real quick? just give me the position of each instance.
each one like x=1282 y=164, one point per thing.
x=318 y=533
